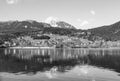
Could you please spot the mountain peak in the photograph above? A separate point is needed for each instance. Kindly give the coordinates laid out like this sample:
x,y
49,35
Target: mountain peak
x,y
55,22
52,21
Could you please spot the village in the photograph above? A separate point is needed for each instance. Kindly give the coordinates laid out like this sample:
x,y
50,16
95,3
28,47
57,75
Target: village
x,y
57,41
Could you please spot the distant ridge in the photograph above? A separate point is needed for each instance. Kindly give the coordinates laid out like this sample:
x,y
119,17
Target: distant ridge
x,y
109,32
30,24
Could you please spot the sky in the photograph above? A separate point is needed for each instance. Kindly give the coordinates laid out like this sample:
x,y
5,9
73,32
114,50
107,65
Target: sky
x,y
83,14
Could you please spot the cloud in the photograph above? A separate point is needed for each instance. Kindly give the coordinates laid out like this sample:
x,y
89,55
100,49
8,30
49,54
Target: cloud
x,y
12,1
93,12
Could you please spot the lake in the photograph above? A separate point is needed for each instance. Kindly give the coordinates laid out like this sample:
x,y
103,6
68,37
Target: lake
x,y
60,64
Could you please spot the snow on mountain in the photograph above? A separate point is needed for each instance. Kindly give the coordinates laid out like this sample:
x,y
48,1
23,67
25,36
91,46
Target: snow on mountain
x,y
55,22
52,21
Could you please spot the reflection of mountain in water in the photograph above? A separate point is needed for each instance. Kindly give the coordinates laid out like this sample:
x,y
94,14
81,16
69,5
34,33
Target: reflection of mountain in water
x,y
107,59
61,60
14,60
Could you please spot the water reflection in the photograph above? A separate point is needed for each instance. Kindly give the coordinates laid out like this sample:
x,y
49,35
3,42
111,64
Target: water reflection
x,y
53,61
106,59
0,78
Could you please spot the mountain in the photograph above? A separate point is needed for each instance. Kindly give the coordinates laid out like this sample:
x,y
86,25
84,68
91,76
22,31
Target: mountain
x,y
13,29
62,24
22,25
31,25
55,22
109,32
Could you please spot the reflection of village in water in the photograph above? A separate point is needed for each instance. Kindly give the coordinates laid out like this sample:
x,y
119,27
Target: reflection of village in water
x,y
55,54
54,62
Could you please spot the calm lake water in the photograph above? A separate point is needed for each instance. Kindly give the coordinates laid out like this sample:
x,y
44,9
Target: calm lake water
x,y
59,65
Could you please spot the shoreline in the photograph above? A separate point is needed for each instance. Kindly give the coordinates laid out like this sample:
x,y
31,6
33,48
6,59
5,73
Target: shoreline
x,y
65,48
31,47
